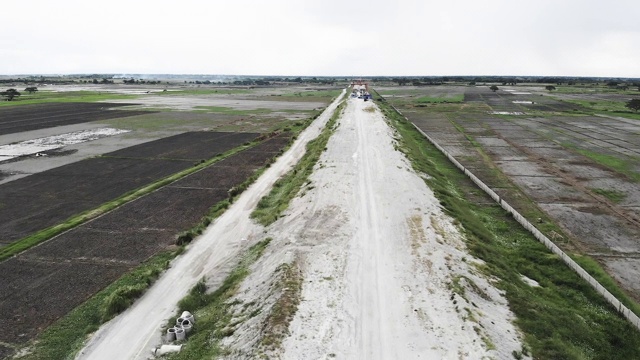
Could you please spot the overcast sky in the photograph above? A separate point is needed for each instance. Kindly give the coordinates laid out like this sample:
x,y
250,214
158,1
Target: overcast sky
x,y
322,37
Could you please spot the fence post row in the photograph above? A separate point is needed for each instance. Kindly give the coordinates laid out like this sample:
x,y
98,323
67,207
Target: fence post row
x,y
632,317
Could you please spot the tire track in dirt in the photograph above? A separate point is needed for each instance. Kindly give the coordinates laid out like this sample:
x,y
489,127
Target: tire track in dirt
x,y
379,286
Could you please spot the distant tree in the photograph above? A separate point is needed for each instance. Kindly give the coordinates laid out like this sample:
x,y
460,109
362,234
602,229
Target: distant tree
x,y
10,94
550,87
472,82
633,104
31,89
493,88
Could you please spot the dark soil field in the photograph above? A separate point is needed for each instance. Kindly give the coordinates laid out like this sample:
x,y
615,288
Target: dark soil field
x,y
191,146
44,199
17,119
48,198
47,281
581,170
34,293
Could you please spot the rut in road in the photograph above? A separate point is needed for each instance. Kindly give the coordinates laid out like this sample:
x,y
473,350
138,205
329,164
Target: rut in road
x,y
379,260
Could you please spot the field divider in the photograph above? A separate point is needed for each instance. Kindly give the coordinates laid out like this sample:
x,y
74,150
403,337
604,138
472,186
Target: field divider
x,y
619,306
30,241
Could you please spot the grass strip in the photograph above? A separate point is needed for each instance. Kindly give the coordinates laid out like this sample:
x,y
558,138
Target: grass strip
x,y
457,98
63,339
271,206
212,310
42,235
613,195
47,96
563,318
285,308
617,164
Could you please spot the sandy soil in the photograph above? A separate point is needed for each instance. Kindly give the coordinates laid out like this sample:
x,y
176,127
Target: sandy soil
x,y
29,147
132,334
379,259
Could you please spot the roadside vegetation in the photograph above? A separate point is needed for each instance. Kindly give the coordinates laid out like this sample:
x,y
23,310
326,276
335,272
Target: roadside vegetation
x,y
563,318
286,188
285,308
65,337
212,310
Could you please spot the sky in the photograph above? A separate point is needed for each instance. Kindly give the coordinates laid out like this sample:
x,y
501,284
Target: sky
x,y
322,37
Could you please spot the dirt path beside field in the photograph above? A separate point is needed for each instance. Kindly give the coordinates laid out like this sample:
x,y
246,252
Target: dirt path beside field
x,y
132,334
386,274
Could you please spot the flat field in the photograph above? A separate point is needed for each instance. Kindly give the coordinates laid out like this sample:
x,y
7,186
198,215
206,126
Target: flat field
x,y
17,119
570,169
47,281
48,198
168,132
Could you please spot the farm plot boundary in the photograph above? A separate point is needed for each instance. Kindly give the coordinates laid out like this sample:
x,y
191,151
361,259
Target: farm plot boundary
x,y
150,227
54,188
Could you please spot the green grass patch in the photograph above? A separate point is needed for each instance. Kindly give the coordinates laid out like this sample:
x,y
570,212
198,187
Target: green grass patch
x,y
564,318
595,269
615,163
233,111
285,308
449,98
613,195
609,107
313,93
45,96
212,310
66,336
286,188
203,91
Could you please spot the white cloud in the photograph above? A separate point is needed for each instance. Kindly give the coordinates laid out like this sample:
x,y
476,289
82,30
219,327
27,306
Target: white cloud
x,y
286,37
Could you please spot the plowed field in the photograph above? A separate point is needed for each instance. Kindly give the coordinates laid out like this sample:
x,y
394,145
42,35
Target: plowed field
x,y
17,119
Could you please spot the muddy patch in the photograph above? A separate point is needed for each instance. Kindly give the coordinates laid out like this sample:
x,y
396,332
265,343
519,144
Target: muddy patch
x,y
45,146
597,230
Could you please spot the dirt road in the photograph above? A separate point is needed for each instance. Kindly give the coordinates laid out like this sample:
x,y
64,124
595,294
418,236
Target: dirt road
x,y
386,273
132,334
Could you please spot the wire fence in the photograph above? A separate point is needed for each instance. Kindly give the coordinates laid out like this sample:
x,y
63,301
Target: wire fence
x,y
626,312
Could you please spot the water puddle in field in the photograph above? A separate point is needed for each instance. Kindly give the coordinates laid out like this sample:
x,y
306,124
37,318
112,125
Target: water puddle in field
x,y
522,102
40,145
506,113
521,93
